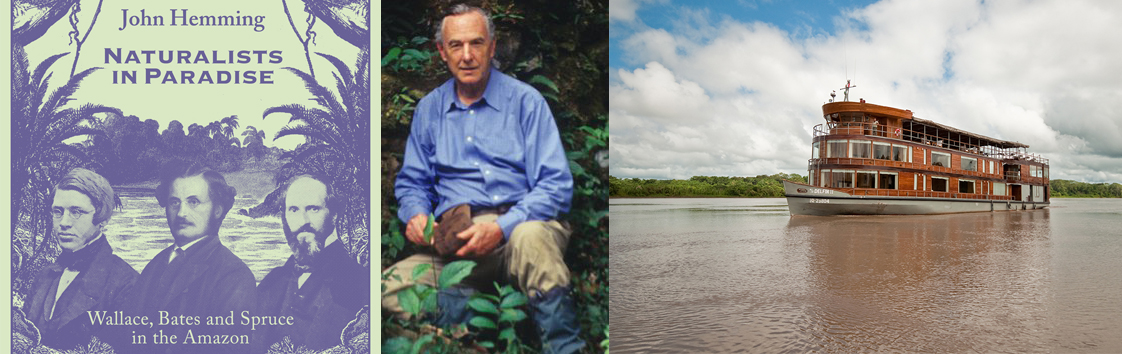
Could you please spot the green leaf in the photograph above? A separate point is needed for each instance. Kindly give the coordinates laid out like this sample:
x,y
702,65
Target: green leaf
x,y
507,334
391,55
482,305
420,343
415,54
503,291
539,79
513,300
420,270
492,298
409,301
397,345
512,316
591,141
428,229
594,220
487,344
482,322
454,272
575,168
552,96
428,302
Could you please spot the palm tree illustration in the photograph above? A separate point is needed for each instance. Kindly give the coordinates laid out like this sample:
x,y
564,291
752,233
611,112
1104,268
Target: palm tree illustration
x,y
254,141
337,144
228,125
40,126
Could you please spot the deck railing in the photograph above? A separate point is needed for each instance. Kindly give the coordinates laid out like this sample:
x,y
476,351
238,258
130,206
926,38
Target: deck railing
x,y
908,135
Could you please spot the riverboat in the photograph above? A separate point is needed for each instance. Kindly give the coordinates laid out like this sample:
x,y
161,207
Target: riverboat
x,y
869,159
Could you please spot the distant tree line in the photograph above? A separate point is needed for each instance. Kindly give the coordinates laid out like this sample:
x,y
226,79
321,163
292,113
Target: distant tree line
x,y
1062,188
131,150
762,186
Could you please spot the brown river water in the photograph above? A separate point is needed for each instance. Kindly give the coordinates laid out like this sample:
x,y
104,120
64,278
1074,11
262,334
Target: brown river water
x,y
741,275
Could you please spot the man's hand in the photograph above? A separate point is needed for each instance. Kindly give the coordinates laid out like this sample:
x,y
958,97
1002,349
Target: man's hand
x,y
482,239
415,230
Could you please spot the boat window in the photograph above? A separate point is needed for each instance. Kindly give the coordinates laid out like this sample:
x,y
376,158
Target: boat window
x,y
991,167
887,180
823,179
841,178
965,186
940,159
1046,172
998,188
836,148
859,149
814,151
969,163
899,153
938,184
882,151
866,179
1012,171
853,117
1032,171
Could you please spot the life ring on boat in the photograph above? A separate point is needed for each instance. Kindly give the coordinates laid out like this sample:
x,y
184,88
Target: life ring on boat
x,y
897,132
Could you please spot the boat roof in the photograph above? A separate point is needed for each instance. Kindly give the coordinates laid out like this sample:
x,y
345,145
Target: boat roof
x,y
907,115
1004,144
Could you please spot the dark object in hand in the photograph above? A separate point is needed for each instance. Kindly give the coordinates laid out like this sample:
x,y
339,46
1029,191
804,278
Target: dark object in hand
x,y
452,222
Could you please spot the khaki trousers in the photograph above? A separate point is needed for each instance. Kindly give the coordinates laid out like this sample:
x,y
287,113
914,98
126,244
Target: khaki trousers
x,y
533,259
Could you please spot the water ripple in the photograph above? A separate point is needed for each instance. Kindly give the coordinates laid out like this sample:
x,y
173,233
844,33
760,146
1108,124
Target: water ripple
x,y
738,275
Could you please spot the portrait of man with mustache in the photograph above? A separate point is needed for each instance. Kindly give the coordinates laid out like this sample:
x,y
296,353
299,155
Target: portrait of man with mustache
x,y
197,276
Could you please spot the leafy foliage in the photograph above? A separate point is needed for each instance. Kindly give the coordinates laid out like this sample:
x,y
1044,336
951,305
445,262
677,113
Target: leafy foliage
x,y
561,48
420,299
762,186
505,309
337,140
40,127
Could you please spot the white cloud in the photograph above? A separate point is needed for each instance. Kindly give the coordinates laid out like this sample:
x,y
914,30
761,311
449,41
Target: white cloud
x,y
623,10
717,96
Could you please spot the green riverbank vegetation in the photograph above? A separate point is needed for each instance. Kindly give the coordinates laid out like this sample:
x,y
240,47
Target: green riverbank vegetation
x,y
1062,188
762,186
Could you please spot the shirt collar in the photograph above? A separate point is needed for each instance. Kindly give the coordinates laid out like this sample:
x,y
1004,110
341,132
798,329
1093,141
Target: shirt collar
x,y
192,243
492,95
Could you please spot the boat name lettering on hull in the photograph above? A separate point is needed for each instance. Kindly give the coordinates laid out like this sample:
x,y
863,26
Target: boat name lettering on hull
x,y
819,201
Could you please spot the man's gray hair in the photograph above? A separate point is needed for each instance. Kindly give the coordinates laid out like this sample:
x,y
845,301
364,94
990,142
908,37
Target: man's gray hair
x,y
460,9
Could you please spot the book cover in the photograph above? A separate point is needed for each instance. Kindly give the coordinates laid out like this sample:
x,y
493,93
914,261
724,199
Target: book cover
x,y
190,176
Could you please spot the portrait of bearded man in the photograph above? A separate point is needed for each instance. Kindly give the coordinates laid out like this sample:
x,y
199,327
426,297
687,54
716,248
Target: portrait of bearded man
x,y
319,287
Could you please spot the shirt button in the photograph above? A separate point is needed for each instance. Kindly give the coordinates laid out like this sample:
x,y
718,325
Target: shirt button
x,y
471,111
495,198
486,172
477,163
469,139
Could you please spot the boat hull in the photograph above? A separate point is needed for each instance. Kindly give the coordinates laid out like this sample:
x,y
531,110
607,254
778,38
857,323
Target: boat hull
x,y
803,199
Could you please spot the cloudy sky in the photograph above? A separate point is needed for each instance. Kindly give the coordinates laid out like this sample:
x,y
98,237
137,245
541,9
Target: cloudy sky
x,y
734,88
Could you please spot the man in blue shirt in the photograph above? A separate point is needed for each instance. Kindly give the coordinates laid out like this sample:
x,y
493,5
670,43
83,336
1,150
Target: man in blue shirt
x,y
489,141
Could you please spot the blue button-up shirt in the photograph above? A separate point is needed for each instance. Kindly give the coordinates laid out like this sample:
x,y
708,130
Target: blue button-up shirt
x,y
504,149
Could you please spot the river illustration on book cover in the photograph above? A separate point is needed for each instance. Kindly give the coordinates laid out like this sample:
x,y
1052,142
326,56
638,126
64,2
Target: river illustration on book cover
x,y
190,176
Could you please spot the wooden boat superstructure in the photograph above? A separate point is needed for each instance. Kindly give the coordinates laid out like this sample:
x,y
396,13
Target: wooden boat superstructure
x,y
872,159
